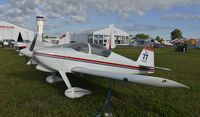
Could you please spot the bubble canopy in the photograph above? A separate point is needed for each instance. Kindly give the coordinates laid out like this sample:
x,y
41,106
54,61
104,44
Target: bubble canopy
x,y
85,48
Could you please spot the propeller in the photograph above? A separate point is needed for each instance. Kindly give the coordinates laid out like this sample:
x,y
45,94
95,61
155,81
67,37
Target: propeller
x,y
33,43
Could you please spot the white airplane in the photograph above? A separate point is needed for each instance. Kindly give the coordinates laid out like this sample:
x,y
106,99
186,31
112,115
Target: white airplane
x,y
21,44
85,58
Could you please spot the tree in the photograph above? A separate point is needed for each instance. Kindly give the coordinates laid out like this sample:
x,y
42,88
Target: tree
x,y
176,34
158,38
142,36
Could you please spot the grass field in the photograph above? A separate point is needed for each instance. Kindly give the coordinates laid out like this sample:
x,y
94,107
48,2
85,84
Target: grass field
x,y
25,93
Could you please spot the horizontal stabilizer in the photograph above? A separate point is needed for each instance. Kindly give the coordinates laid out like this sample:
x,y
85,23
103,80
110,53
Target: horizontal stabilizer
x,y
162,68
139,79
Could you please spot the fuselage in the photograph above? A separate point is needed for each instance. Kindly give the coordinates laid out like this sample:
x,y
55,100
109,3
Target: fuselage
x,y
67,57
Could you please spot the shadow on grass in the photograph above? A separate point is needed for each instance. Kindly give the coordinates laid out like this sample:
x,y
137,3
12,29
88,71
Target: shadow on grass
x,y
84,81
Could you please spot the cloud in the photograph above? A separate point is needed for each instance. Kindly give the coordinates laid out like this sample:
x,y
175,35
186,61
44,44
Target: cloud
x,y
18,12
180,16
50,26
195,27
77,11
76,19
140,27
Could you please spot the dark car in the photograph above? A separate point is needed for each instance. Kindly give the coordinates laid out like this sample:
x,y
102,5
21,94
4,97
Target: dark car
x,y
11,43
1,44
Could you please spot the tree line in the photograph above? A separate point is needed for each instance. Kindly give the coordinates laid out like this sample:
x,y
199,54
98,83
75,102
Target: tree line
x,y
176,33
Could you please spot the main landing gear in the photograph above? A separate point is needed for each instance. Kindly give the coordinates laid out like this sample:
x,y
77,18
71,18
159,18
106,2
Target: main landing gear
x,y
71,92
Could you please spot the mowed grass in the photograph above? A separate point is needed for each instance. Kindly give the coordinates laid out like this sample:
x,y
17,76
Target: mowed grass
x,y
25,93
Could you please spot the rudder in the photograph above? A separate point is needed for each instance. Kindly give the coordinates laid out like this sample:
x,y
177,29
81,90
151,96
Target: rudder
x,y
146,57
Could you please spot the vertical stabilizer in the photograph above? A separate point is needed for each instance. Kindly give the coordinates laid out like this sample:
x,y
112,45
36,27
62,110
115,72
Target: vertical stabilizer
x,y
111,40
146,57
20,39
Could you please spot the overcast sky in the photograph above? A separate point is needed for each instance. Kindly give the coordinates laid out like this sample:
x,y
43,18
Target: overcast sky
x,y
153,17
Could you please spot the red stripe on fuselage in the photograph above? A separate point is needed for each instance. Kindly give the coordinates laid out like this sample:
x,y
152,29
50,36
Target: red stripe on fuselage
x,y
149,48
94,61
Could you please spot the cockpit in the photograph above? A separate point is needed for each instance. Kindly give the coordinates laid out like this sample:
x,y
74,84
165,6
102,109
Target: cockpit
x,y
88,48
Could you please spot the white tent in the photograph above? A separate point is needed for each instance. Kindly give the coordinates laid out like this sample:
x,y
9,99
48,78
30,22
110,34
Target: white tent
x,y
11,31
101,36
106,31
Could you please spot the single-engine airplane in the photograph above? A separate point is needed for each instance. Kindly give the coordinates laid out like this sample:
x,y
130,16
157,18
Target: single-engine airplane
x,y
91,59
85,58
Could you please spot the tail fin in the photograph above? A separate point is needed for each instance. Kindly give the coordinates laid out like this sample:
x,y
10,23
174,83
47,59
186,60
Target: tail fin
x,y
111,41
20,39
146,57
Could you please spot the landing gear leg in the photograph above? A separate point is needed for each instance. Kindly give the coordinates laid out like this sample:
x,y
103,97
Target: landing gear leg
x,y
73,92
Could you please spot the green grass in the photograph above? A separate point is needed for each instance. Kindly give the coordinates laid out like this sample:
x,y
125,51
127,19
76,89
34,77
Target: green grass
x,y
25,93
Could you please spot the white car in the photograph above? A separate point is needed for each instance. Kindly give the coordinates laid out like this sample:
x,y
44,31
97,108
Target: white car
x,y
5,42
8,42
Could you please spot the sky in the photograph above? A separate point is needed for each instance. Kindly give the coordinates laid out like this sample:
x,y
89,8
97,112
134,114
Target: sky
x,y
152,17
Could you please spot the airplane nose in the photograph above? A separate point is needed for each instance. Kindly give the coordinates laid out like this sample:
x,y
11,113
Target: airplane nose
x,y
26,52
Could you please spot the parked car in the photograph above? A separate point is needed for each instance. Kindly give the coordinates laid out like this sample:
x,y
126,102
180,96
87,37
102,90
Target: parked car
x,y
8,42
1,44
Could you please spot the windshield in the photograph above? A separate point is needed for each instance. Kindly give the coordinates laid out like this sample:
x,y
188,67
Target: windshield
x,y
81,47
100,50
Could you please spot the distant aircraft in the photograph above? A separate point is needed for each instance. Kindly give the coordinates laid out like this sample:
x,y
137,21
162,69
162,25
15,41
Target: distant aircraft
x,y
34,45
85,58
163,42
20,44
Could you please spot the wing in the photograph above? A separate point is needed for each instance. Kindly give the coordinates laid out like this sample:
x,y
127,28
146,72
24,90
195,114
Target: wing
x,y
139,79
